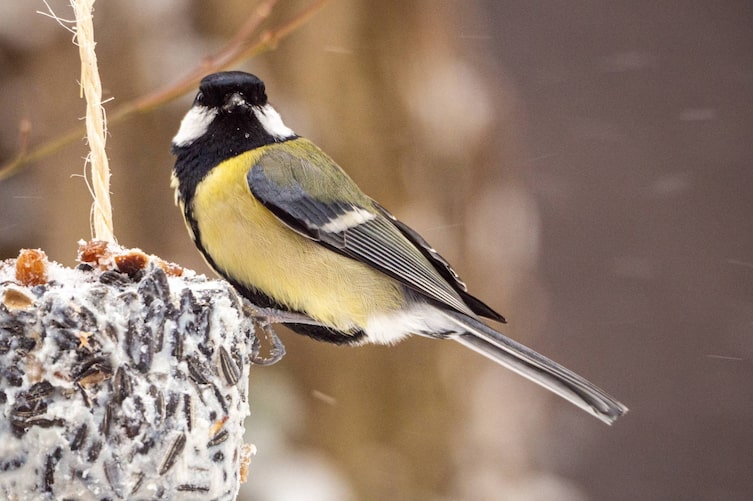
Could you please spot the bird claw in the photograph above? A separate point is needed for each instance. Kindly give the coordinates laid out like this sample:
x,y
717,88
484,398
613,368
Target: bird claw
x,y
276,350
264,318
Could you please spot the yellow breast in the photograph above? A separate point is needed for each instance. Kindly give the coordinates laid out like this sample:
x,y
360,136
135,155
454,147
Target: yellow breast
x,y
248,243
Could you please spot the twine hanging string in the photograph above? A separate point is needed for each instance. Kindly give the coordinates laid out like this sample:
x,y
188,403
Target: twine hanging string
x,y
96,122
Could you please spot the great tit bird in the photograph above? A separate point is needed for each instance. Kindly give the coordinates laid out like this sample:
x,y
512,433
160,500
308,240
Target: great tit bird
x,y
290,230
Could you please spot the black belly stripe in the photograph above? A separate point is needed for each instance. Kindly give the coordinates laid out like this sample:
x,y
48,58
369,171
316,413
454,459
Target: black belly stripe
x,y
320,333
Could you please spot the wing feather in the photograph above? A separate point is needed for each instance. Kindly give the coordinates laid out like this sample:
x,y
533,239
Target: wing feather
x,y
282,183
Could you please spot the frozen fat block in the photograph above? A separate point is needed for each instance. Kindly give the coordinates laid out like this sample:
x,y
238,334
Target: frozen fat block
x,y
124,378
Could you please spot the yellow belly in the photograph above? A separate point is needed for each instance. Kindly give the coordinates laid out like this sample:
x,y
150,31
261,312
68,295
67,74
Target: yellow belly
x,y
248,243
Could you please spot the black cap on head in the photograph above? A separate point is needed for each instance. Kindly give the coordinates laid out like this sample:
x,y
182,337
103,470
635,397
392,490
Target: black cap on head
x,y
230,115
215,87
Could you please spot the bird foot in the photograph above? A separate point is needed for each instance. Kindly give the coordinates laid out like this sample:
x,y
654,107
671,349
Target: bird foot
x,y
265,318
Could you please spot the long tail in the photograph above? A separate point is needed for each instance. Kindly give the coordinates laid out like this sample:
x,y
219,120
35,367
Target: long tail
x,y
536,367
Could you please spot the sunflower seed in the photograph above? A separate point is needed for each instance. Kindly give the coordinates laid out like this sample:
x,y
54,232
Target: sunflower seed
x,y
79,437
172,453
229,368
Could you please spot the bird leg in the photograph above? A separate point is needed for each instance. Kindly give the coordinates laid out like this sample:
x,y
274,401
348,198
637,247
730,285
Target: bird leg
x,y
264,319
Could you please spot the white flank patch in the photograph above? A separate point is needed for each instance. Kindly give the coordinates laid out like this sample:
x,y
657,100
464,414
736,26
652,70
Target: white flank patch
x,y
272,122
389,328
175,185
194,125
352,218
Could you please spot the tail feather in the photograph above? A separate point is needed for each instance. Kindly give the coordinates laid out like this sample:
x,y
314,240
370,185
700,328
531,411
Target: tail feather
x,y
538,368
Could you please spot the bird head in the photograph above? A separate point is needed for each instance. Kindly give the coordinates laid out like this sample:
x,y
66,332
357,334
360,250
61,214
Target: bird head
x,y
231,109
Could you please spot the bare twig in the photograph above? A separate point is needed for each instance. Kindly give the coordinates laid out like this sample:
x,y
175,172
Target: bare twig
x,y
242,46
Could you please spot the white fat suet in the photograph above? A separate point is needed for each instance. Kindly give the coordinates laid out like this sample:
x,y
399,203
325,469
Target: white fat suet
x,y
352,218
194,125
272,122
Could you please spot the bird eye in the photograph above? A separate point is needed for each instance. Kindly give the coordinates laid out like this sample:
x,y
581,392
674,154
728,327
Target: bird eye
x,y
199,98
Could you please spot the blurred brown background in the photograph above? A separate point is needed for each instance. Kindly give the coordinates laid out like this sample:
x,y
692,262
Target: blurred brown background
x,y
587,167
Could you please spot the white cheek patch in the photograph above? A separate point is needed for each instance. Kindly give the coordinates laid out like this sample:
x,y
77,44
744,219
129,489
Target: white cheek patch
x,y
352,218
272,122
194,125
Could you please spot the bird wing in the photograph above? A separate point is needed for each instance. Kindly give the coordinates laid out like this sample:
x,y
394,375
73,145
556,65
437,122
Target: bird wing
x,y
314,197
443,267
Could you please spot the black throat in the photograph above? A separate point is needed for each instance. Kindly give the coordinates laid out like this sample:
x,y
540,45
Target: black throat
x,y
229,135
